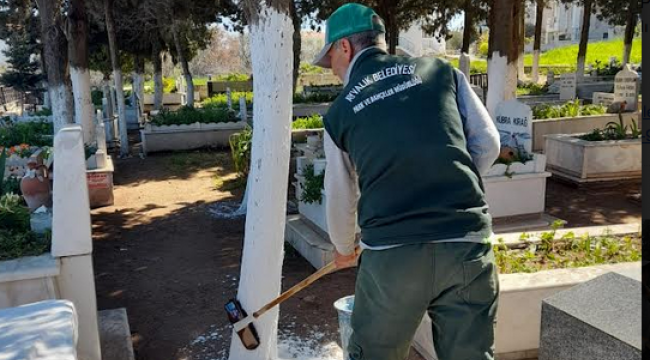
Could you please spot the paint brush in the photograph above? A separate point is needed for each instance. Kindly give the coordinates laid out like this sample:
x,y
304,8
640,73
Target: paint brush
x,y
243,323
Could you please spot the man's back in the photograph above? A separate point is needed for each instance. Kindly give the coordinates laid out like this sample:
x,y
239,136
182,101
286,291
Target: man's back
x,y
398,119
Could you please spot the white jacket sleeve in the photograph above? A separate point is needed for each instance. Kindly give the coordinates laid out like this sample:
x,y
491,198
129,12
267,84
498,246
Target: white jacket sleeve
x,y
342,192
483,142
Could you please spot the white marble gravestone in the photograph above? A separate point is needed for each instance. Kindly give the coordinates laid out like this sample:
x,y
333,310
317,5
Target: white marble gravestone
x,y
568,86
626,88
601,98
514,122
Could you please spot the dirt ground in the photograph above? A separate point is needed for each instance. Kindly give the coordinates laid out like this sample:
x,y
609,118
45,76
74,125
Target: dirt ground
x,y
162,255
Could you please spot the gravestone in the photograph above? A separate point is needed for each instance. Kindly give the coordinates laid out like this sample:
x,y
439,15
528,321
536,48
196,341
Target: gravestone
x,y
514,122
598,319
568,86
626,88
550,77
601,98
229,98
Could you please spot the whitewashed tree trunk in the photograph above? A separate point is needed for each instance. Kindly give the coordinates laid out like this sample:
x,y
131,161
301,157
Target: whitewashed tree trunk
x,y
261,269
117,77
184,64
535,70
56,61
502,64
464,64
627,52
77,34
157,80
60,97
83,105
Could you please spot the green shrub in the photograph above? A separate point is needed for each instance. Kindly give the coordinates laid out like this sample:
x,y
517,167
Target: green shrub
x,y
97,96
169,86
43,112
220,101
189,115
532,89
240,147
34,133
313,122
15,244
307,68
570,109
314,98
232,77
313,186
14,215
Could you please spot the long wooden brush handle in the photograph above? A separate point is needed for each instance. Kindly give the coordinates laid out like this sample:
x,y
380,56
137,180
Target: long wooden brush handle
x,y
299,286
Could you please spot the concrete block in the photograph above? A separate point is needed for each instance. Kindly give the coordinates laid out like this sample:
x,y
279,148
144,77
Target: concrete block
x,y
599,319
115,335
583,161
309,241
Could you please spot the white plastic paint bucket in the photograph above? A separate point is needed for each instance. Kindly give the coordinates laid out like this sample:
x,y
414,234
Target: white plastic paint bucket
x,y
344,307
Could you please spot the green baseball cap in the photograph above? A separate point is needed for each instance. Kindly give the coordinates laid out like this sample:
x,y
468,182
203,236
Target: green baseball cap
x,y
349,19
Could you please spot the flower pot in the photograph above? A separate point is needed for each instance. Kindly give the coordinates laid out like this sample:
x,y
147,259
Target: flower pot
x,y
36,190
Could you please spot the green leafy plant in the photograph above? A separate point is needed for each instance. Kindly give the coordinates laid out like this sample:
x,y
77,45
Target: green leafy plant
x,y
43,112
314,121
14,215
34,133
15,244
232,77
569,251
532,89
314,98
240,147
312,189
220,101
190,115
569,109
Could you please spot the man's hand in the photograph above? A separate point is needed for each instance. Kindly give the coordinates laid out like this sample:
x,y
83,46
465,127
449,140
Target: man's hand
x,y
346,261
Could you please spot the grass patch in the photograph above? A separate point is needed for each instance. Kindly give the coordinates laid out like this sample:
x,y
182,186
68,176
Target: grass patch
x,y
596,51
475,66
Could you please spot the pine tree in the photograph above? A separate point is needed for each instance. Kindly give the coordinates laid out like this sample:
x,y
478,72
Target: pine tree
x,y
23,73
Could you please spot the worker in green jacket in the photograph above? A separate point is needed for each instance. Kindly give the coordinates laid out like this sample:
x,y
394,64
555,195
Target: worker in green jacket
x,y
406,143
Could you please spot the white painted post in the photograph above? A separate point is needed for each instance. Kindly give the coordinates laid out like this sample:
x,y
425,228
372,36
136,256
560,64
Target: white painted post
x,y
71,236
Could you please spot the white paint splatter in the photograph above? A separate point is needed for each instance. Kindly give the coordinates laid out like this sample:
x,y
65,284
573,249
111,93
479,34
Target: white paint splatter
x,y
225,210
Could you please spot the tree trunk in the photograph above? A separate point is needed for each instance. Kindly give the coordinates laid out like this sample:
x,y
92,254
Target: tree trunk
x,y
56,61
630,26
537,46
117,77
297,43
156,58
77,32
464,62
138,85
520,10
184,65
271,32
491,27
584,39
504,55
